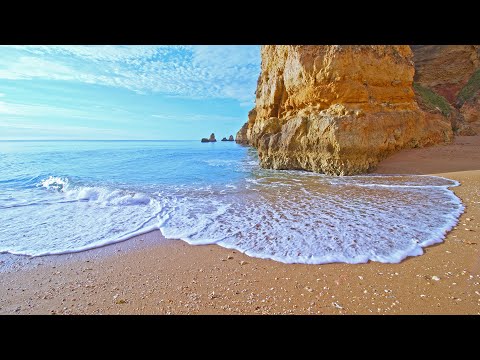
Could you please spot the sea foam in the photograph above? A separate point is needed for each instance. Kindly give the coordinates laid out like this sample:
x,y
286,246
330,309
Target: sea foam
x,y
291,217
316,219
72,218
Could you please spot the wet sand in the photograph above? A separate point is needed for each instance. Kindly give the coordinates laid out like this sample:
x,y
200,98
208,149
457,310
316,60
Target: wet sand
x,y
151,275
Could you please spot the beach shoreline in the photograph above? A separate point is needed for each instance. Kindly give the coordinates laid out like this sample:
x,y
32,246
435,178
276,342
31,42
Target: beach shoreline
x,y
148,274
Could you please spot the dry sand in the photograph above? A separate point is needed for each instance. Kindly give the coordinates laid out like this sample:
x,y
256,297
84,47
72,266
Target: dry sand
x,y
151,275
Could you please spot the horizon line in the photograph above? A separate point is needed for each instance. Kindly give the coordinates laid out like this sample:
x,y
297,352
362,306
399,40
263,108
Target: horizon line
x,y
101,140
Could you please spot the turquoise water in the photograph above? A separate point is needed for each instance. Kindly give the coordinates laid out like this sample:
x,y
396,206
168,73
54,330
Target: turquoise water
x,y
66,196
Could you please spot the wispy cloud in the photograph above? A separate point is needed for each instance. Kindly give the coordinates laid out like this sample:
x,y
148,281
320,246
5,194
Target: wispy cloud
x,y
196,117
196,72
2,94
110,53
27,67
53,129
39,110
20,111
22,128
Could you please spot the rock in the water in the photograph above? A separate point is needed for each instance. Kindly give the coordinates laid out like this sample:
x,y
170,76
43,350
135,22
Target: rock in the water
x,y
224,139
337,109
231,138
211,139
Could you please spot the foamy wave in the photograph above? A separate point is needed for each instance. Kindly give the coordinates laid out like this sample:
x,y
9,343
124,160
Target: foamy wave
x,y
221,163
94,193
315,223
74,218
406,181
55,183
108,197
291,217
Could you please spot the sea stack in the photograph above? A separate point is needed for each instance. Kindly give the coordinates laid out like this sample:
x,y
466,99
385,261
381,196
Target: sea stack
x,y
224,139
337,110
231,138
211,139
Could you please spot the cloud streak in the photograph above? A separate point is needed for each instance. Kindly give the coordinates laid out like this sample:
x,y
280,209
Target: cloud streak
x,y
197,117
195,72
20,111
41,110
52,129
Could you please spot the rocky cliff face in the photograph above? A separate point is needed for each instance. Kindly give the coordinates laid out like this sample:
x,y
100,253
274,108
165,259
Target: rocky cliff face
x,y
241,136
337,109
452,72
470,111
445,68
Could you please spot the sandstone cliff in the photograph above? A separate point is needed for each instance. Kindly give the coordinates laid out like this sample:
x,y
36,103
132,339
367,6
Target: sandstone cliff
x,y
445,68
452,73
337,109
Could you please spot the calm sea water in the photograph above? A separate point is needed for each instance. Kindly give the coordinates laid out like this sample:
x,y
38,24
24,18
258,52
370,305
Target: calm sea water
x,y
66,196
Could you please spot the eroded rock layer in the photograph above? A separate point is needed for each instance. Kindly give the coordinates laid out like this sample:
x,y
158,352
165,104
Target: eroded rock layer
x,y
445,68
453,73
337,109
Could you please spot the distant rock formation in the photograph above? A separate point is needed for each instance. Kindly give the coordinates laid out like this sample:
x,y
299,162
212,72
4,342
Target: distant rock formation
x,y
337,109
230,138
211,139
447,83
224,139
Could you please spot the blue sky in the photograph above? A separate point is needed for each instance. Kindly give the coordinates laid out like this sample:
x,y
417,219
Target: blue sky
x,y
126,92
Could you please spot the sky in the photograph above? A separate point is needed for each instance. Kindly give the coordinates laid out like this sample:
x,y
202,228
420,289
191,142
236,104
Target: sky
x,y
118,92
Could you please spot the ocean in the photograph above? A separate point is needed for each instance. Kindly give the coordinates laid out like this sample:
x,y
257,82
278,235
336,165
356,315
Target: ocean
x,y
68,196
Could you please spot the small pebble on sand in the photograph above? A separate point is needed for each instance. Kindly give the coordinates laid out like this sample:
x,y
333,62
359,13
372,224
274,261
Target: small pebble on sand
x,y
337,305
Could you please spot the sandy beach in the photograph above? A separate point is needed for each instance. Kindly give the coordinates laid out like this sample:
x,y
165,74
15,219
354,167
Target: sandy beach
x,y
151,275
